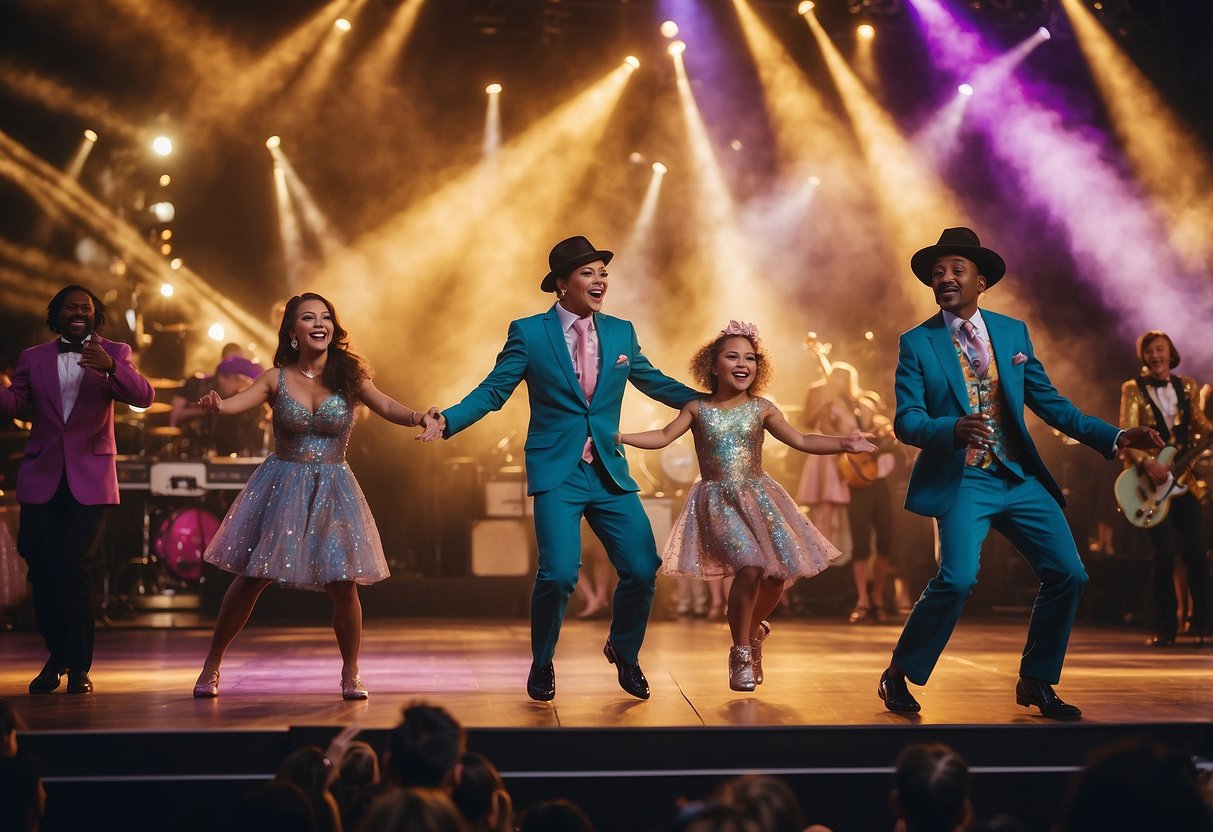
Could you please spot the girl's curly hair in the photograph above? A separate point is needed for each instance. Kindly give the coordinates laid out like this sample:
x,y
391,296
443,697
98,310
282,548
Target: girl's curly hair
x,y
705,360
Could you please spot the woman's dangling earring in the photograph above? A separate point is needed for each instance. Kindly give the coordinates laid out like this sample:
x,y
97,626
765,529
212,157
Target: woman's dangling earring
x,y
294,344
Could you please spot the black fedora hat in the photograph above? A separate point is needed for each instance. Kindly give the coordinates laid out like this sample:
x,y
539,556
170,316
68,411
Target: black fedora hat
x,y
964,242
568,255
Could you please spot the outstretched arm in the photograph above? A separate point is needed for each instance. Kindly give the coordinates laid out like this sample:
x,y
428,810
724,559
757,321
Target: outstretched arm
x,y
651,440
856,442
384,405
255,396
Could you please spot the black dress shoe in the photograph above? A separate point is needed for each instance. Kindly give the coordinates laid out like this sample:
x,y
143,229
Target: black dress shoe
x,y
541,683
1161,640
1030,691
896,695
48,680
78,682
631,678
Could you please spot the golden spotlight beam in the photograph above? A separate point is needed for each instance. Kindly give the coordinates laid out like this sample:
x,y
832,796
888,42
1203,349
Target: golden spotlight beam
x,y
313,222
737,293
57,98
381,58
480,236
806,133
288,232
226,93
915,204
145,264
1167,159
319,71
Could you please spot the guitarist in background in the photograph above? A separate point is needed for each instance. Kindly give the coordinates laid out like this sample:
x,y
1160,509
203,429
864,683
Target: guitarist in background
x,y
1170,403
871,507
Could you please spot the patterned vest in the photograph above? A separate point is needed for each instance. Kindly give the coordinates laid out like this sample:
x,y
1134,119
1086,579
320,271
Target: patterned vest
x,y
985,395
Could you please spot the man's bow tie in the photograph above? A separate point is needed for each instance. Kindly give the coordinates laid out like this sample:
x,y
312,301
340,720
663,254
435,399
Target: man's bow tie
x,y
70,346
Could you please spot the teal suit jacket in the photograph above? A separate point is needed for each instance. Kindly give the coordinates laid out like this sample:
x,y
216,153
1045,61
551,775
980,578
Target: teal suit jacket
x,y
561,418
931,398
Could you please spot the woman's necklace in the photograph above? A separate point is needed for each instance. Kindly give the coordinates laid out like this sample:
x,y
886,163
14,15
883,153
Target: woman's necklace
x,y
299,367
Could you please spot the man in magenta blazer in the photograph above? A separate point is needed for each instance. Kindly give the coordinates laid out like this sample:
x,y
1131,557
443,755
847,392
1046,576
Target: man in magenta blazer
x,y
68,480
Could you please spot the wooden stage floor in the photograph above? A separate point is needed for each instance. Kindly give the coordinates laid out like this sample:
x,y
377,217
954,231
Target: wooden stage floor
x,y
819,673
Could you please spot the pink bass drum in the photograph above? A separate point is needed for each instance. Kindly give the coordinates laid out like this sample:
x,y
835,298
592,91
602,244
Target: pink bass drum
x,y
182,540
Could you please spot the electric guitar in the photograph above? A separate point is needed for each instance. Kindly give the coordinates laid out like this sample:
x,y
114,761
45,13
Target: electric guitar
x,y
1145,504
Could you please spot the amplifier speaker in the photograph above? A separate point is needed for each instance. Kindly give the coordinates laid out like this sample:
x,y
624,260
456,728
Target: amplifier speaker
x,y
661,515
503,547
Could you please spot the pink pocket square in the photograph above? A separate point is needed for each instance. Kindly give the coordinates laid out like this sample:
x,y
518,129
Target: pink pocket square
x,y
1018,358
623,359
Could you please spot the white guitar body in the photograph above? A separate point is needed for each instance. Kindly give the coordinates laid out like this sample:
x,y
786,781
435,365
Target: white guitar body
x,y
1145,504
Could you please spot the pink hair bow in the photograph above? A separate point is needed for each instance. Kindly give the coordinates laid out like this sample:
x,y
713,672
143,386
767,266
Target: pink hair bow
x,y
744,328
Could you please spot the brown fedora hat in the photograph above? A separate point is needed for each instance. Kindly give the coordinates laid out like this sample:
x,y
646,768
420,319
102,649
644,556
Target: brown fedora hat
x,y
568,255
960,241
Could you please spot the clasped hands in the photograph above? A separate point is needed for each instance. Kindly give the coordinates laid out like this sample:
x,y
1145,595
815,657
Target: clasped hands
x,y
434,423
858,442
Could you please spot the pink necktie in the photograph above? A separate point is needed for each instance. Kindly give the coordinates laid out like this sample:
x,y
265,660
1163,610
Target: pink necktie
x,y
975,348
587,373
587,367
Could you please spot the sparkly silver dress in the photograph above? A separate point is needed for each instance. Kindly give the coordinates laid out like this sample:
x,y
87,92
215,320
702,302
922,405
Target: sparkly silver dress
x,y
302,519
736,515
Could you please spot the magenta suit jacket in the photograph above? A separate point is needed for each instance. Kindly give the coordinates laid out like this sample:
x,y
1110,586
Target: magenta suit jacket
x,y
84,445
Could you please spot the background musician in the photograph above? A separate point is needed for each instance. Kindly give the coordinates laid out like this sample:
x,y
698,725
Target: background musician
x,y
1170,403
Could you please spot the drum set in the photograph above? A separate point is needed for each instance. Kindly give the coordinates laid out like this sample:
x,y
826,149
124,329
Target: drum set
x,y
172,502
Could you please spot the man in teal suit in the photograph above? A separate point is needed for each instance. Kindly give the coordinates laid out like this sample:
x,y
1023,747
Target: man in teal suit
x,y
963,380
576,363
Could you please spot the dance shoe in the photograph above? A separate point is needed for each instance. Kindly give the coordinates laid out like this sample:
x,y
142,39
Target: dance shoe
x,y
895,694
631,677
353,690
1029,691
1161,640
48,678
207,686
764,630
741,669
78,682
541,683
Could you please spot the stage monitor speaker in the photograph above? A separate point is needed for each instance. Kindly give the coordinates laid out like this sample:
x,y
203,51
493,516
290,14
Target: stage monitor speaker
x,y
507,498
503,547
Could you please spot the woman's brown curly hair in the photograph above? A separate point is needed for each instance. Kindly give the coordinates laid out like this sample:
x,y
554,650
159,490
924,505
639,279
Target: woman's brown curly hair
x,y
344,371
704,360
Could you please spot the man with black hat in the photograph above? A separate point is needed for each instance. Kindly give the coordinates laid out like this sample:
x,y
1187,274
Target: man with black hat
x,y
963,380
576,362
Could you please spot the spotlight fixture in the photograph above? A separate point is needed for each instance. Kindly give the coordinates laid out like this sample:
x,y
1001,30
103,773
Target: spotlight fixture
x,y
216,332
866,31
493,89
1044,33
676,47
165,180
669,29
342,24
91,135
163,211
632,61
167,289
660,169
162,145
176,263
805,7
965,89
636,158
273,142
814,181
736,144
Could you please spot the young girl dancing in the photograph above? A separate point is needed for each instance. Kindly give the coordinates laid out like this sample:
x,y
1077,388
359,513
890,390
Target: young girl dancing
x,y
737,520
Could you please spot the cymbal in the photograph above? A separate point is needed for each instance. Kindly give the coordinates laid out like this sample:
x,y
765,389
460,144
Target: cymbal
x,y
165,383
152,409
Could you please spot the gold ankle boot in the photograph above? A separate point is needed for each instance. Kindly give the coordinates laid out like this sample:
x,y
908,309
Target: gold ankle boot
x,y
741,669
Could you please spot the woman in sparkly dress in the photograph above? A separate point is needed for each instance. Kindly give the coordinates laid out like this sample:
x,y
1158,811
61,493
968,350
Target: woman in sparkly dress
x,y
302,521
737,520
